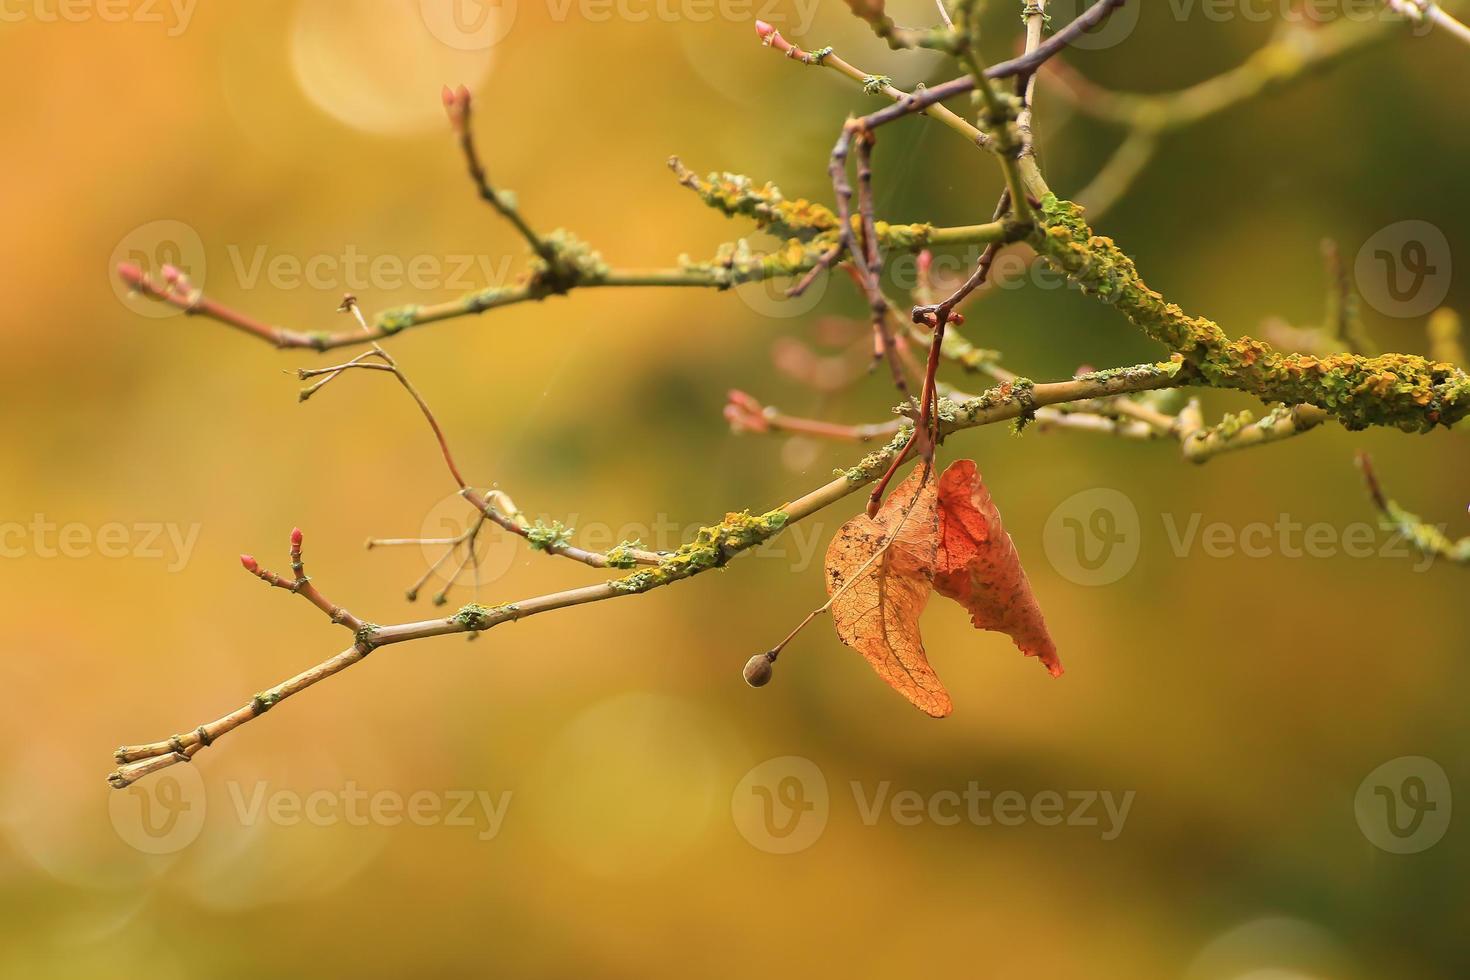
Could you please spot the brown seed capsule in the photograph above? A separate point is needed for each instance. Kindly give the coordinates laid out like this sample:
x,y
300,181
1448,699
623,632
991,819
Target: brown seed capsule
x,y
758,669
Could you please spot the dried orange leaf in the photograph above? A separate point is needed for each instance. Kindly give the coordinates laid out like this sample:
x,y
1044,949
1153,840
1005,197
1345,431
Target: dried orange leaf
x,y
977,566
877,603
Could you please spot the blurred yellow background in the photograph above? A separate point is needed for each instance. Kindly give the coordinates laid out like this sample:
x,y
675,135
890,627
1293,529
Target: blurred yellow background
x,y
601,757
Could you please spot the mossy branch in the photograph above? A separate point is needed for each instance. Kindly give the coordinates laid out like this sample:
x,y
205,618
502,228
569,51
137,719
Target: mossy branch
x,y
1402,391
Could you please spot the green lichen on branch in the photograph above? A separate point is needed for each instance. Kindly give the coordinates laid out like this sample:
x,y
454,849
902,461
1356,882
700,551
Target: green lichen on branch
x,y
545,537
475,617
871,465
738,195
1233,422
394,320
968,411
736,262
1427,538
802,222
712,547
1403,391
622,555
572,262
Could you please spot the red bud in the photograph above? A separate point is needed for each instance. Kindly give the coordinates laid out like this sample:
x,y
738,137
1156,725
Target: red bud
x,y
249,563
764,30
296,537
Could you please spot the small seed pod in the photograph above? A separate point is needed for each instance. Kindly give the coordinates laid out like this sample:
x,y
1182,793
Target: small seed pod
x,y
758,669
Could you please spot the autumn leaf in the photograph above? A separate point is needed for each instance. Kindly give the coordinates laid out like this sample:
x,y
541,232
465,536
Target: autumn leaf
x,y
876,604
977,565
930,535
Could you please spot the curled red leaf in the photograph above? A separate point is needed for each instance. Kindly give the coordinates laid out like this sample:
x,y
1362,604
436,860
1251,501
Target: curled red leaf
x,y
930,535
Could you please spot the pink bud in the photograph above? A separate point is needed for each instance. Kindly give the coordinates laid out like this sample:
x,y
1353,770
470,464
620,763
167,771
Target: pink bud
x,y
130,274
744,401
764,30
296,537
926,259
249,563
745,414
447,94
